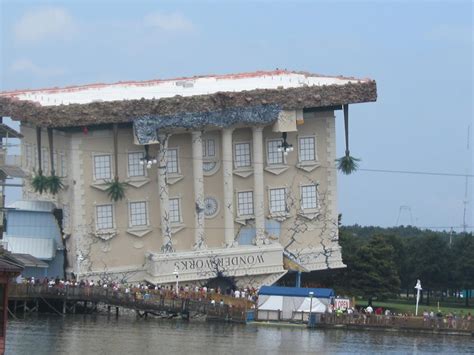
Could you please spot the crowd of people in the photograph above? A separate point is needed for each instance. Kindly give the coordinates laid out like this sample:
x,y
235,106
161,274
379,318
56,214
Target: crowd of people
x,y
234,296
380,316
143,290
449,320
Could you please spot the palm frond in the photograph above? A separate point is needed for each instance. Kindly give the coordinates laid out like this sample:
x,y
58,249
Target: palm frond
x,y
54,184
39,183
116,190
347,164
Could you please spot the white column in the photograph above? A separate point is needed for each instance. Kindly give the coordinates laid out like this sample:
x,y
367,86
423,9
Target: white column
x,y
258,192
227,160
167,244
198,190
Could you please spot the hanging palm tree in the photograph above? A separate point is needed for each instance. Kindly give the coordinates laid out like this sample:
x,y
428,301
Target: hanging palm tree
x,y
39,181
54,182
115,188
347,164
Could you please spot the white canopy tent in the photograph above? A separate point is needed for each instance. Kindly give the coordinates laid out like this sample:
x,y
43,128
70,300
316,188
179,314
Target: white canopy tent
x,y
272,303
280,303
316,306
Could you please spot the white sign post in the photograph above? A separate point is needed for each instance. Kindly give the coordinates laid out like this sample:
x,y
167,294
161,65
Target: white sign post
x,y
418,289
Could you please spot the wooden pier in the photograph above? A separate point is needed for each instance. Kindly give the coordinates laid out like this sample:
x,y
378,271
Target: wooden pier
x,y
32,298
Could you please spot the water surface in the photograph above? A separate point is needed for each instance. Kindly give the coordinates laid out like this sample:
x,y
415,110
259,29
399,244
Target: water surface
x,y
101,334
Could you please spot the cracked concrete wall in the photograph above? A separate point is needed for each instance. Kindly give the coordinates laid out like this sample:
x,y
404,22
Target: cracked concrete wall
x,y
312,241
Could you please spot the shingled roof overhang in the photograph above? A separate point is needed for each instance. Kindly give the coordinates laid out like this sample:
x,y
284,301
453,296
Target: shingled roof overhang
x,y
96,113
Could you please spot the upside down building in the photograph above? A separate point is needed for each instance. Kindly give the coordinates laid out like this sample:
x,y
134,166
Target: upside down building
x,y
196,178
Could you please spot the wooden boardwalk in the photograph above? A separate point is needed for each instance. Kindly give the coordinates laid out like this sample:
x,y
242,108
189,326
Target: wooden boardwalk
x,y
448,325
28,298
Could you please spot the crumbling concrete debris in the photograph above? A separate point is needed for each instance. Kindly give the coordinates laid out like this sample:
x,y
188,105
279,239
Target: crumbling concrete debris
x,y
146,127
95,113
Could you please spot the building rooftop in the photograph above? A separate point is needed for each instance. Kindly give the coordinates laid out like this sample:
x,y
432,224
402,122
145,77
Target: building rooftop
x,y
192,86
32,206
296,291
41,248
8,263
125,101
29,260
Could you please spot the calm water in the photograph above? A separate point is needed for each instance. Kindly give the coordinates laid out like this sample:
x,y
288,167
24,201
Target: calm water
x,y
127,335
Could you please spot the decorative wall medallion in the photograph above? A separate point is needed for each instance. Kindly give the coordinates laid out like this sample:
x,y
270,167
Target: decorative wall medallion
x,y
211,207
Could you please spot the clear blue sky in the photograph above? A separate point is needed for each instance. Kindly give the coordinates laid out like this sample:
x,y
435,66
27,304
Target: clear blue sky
x,y
420,54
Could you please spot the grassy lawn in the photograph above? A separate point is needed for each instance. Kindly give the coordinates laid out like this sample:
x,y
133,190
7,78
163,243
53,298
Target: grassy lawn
x,y
408,306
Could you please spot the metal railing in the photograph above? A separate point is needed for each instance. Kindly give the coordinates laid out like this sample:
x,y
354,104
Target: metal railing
x,y
447,322
210,304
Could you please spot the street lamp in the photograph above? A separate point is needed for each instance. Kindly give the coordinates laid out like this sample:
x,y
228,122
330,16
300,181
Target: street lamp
x,y
311,294
176,273
147,159
285,147
418,289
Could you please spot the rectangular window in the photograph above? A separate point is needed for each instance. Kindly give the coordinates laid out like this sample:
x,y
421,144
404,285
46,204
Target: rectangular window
x,y
55,160
29,159
135,164
211,148
172,166
62,168
45,160
307,149
242,155
102,167
208,148
277,200
175,210
245,203
138,214
309,197
273,155
104,217
35,157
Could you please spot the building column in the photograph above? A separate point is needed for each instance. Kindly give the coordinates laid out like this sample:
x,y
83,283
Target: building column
x,y
198,190
227,162
167,244
259,192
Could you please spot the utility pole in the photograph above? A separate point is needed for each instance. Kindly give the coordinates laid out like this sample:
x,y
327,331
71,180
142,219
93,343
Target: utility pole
x,y
405,208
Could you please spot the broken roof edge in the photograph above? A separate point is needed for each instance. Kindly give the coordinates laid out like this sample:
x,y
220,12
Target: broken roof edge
x,y
95,113
72,88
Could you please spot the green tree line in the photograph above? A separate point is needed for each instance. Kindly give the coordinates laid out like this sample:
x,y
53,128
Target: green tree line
x,y
385,262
